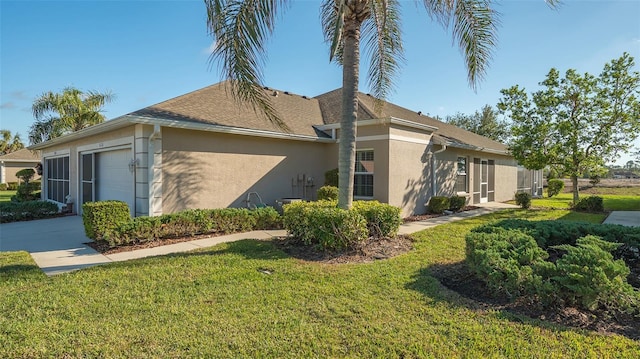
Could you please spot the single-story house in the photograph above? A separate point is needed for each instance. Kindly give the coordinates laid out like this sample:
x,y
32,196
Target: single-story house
x,y
13,162
205,150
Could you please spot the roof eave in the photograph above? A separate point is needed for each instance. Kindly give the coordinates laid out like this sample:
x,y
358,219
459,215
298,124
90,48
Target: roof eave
x,y
383,121
114,124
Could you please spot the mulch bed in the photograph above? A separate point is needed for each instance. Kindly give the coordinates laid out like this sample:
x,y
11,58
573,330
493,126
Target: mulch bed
x,y
104,248
422,217
457,277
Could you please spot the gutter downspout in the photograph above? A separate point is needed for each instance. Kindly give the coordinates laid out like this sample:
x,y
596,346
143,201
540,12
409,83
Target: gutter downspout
x,y
433,169
151,168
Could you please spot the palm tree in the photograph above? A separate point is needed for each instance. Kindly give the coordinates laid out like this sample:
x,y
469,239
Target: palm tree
x,y
9,143
241,27
71,110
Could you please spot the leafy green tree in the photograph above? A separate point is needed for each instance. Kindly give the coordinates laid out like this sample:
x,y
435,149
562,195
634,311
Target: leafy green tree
x,y
576,123
71,110
484,122
9,143
241,28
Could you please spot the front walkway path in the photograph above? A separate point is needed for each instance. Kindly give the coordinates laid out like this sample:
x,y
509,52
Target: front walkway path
x,y
625,218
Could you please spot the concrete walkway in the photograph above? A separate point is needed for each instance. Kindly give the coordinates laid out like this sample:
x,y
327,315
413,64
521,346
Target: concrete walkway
x,y
58,245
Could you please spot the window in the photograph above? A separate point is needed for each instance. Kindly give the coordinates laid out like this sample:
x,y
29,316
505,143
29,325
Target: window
x,y
461,180
363,178
57,170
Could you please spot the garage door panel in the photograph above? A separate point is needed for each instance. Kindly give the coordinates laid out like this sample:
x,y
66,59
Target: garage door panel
x,y
114,180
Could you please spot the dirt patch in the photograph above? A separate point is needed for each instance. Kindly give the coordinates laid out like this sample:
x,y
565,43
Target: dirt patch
x,y
369,251
422,217
458,278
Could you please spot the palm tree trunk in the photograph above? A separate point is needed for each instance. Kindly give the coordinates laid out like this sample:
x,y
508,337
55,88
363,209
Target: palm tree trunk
x,y
347,141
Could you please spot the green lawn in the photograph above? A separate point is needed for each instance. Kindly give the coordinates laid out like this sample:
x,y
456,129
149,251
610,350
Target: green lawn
x,y
219,303
612,202
5,196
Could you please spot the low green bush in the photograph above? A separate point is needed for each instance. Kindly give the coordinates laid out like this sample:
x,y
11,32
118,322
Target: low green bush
x,y
383,220
23,211
3,186
12,186
26,192
137,230
523,199
327,193
456,203
590,204
554,187
438,204
100,218
323,225
588,276
331,178
511,258
232,220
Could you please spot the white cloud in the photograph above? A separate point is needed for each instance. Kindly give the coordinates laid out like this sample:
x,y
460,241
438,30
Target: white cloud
x,y
209,49
8,105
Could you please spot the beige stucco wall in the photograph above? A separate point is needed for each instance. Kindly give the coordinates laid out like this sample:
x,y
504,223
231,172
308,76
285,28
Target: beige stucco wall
x,y
104,141
409,176
9,169
212,170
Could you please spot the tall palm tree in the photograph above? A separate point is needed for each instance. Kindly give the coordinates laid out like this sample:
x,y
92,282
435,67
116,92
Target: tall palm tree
x,y
71,110
241,27
9,143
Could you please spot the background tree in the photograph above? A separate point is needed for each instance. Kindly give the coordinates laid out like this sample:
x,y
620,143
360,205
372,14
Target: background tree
x,y
71,110
577,123
484,122
240,29
9,143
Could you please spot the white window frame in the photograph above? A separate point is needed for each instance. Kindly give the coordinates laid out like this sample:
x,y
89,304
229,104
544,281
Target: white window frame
x,y
356,173
465,174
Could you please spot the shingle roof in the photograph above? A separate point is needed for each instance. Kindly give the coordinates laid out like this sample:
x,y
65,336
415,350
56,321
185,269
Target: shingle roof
x,y
331,106
21,155
214,105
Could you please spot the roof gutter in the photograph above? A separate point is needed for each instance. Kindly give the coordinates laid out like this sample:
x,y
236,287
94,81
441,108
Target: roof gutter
x,y
383,121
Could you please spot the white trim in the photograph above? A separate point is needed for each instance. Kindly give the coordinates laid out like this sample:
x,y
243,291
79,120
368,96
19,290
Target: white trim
x,y
383,121
109,145
59,153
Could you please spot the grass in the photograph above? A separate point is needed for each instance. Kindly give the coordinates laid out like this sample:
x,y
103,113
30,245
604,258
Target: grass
x,y
219,303
5,196
612,202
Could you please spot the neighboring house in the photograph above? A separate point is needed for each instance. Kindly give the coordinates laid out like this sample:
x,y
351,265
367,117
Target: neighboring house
x,y
13,162
204,150
624,175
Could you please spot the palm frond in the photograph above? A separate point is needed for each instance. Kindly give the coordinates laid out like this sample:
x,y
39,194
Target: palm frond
x,y
382,39
240,29
332,19
474,29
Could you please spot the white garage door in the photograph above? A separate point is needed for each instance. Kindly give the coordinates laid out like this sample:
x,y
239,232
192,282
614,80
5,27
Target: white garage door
x,y
114,180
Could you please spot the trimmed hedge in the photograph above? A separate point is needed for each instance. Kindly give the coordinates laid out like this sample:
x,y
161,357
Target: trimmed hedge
x,y
523,199
192,222
511,257
590,204
554,187
24,211
331,178
456,203
383,220
323,225
328,193
100,218
438,204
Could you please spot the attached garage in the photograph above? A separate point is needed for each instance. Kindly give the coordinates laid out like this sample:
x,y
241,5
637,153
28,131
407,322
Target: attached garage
x,y
106,175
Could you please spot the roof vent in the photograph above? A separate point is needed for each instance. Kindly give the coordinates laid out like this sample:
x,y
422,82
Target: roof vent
x,y
266,88
286,92
304,96
275,93
419,113
369,94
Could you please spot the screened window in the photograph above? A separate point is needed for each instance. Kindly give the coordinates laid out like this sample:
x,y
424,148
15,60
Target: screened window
x,y
461,179
363,178
57,170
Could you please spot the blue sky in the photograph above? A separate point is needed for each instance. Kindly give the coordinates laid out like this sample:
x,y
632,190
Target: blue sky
x,y
146,52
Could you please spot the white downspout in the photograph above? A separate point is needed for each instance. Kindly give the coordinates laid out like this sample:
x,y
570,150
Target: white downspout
x,y
151,170
433,169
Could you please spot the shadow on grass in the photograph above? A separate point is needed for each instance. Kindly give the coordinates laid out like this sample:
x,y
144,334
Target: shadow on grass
x,y
455,285
19,272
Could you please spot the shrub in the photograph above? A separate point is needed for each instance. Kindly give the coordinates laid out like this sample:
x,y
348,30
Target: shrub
x,y
523,199
328,193
383,220
331,178
267,218
456,203
12,186
26,192
594,180
137,230
588,276
438,204
3,186
323,225
100,218
22,211
590,204
509,262
185,223
232,220
554,187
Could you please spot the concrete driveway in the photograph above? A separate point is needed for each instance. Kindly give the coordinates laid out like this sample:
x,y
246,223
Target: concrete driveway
x,y
55,244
